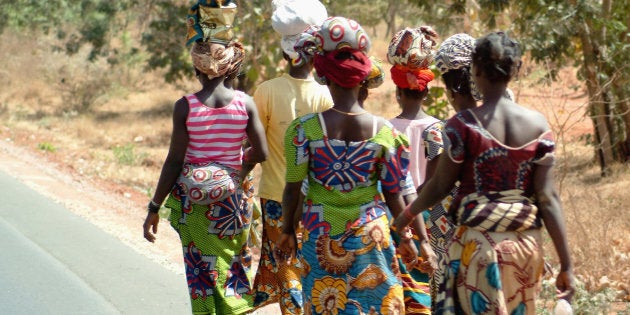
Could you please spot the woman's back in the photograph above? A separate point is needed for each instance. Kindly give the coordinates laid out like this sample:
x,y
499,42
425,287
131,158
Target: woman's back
x,y
511,124
351,127
499,159
216,133
344,174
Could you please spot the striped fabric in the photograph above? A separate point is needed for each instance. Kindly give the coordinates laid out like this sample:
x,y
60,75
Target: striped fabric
x,y
501,211
216,134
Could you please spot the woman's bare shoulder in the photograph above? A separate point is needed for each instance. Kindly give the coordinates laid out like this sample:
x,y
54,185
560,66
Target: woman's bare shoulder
x,y
534,119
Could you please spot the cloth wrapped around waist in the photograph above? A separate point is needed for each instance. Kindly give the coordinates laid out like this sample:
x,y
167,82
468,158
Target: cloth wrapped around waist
x,y
502,211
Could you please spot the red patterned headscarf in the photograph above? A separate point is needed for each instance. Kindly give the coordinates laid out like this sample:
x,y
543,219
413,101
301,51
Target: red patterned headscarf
x,y
411,53
346,72
341,46
414,79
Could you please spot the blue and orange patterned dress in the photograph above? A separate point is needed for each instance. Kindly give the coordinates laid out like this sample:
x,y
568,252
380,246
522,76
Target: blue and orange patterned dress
x,y
495,259
348,255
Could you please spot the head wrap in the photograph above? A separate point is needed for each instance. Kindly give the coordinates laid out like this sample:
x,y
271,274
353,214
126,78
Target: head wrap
x,y
291,18
411,53
456,53
416,79
214,51
340,46
376,76
211,20
216,60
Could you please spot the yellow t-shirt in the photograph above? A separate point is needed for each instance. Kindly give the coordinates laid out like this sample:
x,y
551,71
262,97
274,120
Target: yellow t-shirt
x,y
279,102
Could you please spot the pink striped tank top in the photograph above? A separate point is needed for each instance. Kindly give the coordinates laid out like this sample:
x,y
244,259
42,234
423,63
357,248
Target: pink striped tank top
x,y
216,134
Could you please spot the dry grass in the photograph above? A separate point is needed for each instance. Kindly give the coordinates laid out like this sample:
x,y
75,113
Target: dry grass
x,y
125,139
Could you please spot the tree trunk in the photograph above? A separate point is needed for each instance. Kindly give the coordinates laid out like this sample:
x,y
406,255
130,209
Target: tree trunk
x,y
390,17
598,107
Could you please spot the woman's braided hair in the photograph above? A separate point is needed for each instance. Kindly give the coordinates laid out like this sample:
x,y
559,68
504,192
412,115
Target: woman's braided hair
x,y
498,56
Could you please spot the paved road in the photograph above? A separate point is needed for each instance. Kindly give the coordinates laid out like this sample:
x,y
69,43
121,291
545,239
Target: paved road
x,y
54,262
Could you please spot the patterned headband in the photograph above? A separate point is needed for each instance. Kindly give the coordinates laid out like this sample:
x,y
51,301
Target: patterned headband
x,y
339,32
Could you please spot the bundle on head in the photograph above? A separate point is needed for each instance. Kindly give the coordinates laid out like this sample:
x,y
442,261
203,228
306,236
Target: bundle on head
x,y
291,18
214,51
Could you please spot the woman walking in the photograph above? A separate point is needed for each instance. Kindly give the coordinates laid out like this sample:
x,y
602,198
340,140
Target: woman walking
x,y
502,154
411,52
347,252
205,177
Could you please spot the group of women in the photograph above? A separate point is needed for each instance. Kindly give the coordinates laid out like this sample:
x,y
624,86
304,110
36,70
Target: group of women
x,y
481,181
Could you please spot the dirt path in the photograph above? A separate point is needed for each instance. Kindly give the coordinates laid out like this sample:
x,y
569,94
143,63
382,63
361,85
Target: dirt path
x,y
113,208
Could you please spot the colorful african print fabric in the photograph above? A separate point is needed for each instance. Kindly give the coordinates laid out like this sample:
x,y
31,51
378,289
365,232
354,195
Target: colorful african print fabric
x,y
217,258
416,284
348,255
276,283
455,53
495,259
412,48
411,53
416,289
437,219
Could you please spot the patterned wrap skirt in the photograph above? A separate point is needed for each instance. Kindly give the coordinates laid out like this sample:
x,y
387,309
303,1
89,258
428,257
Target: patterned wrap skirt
x,y
217,257
354,272
495,258
276,283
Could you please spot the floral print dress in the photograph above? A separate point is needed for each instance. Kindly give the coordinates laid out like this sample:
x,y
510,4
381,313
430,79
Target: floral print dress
x,y
348,255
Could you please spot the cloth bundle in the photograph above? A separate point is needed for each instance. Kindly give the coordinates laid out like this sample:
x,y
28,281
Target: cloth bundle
x,y
376,76
207,183
214,50
291,18
211,21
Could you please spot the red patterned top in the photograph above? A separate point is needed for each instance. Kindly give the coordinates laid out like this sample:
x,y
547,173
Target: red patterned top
x,y
490,166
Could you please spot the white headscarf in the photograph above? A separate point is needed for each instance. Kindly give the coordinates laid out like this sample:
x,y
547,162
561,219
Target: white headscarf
x,y
291,17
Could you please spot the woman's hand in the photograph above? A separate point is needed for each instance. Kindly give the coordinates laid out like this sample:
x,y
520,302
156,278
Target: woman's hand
x,y
401,222
285,248
565,284
429,259
408,253
151,224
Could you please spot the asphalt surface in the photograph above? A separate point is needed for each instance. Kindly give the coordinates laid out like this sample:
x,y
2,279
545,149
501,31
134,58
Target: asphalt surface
x,y
55,262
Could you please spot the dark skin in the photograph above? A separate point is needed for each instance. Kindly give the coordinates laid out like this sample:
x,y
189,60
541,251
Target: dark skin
x,y
350,128
460,102
302,71
215,93
514,126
